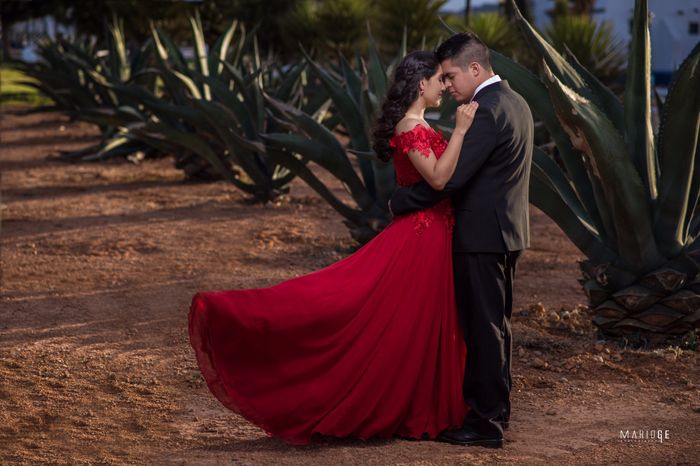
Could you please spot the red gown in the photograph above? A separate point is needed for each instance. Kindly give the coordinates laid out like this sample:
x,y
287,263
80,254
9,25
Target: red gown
x,y
367,347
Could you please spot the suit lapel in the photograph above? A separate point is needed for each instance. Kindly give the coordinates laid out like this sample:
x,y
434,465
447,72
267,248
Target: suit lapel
x,y
499,86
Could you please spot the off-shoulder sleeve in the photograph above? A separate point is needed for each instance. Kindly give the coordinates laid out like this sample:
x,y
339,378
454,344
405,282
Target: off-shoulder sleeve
x,y
418,139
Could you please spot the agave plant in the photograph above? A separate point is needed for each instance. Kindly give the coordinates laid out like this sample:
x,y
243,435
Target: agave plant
x,y
626,197
58,78
118,66
73,74
206,109
355,96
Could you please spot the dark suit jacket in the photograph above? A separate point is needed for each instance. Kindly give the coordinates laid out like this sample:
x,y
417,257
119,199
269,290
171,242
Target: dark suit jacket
x,y
489,187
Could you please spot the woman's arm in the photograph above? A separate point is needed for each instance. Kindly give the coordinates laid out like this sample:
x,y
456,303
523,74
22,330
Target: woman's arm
x,y
437,172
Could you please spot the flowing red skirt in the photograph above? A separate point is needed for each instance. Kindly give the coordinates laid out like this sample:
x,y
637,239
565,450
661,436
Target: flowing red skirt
x,y
367,347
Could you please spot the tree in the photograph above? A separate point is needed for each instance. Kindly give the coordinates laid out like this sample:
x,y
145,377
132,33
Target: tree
x,y
419,18
564,8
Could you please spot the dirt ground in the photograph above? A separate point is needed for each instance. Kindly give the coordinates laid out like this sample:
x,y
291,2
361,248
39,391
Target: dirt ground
x,y
100,261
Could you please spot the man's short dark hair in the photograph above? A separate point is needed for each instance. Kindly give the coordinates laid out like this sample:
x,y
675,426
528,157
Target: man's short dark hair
x,y
463,49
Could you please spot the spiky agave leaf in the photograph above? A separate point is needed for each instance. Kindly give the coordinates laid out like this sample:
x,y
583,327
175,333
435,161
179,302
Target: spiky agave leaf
x,y
600,94
221,49
646,281
679,133
351,115
78,77
311,141
317,144
639,134
595,136
116,43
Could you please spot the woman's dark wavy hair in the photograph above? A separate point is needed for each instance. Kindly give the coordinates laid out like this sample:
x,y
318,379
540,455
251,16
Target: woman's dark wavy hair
x,y
402,93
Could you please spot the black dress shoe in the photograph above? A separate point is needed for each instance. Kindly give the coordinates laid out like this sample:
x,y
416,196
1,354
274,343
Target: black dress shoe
x,y
505,423
469,438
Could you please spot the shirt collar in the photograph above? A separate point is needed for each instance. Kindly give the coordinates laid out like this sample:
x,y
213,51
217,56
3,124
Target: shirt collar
x,y
493,79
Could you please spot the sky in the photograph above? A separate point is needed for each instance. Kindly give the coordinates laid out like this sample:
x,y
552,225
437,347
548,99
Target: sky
x,y
456,5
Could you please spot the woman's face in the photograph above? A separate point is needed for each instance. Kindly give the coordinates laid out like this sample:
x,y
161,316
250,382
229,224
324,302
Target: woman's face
x,y
433,89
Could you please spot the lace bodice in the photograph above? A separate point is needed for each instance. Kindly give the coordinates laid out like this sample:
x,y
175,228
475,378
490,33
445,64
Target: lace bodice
x,y
421,139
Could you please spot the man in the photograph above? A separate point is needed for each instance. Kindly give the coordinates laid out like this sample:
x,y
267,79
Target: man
x,y
489,191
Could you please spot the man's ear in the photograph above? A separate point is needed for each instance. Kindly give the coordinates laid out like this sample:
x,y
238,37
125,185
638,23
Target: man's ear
x,y
475,68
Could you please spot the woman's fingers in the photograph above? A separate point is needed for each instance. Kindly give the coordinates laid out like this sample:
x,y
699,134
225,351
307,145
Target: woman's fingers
x,y
468,110
465,115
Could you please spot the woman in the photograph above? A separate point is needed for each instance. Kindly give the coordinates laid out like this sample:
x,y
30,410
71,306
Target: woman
x,y
369,346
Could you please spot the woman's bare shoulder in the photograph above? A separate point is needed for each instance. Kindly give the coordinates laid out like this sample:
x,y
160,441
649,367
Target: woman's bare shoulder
x,y
408,124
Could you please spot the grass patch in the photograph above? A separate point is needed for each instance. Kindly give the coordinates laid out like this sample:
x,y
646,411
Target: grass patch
x,y
14,93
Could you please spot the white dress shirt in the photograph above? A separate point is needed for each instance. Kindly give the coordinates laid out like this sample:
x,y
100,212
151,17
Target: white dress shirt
x,y
493,79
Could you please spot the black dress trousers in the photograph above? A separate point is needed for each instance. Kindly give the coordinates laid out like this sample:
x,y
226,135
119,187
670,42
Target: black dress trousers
x,y
484,291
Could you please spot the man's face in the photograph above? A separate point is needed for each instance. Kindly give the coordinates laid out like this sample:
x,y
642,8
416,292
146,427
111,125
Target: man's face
x,y
461,83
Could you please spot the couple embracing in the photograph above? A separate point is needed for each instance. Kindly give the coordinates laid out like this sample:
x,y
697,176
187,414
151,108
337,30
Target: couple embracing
x,y
410,335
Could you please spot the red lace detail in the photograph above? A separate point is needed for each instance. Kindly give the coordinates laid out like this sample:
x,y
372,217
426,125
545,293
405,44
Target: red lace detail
x,y
441,211
422,219
421,139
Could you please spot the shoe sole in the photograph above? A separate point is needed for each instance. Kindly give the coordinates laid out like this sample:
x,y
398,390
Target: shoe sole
x,y
495,443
